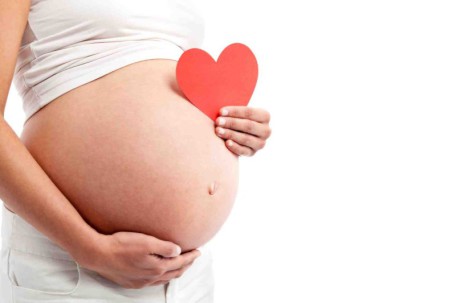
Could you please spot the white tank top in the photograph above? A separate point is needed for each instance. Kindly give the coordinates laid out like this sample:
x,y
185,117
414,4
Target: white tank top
x,y
67,43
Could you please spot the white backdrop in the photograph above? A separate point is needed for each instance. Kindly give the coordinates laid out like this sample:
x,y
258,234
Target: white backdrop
x,y
353,197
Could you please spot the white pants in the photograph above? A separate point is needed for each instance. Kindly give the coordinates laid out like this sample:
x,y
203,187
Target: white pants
x,y
35,269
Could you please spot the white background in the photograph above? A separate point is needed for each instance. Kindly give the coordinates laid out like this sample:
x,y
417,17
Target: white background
x,y
353,197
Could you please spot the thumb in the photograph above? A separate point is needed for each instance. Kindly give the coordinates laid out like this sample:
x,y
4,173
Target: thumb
x,y
165,248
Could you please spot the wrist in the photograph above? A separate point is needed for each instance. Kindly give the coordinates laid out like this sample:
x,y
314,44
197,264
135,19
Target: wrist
x,y
87,249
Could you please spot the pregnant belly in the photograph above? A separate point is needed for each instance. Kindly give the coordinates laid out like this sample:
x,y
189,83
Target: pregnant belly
x,y
132,154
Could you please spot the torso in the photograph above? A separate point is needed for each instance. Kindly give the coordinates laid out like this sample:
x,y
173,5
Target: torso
x,y
132,154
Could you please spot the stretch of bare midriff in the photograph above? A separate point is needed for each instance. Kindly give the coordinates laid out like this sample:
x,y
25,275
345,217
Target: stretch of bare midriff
x,y
131,153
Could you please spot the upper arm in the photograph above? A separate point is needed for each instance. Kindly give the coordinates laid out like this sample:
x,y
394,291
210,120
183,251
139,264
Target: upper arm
x,y
13,20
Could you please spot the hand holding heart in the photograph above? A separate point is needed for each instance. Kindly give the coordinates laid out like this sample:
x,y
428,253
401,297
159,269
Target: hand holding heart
x,y
244,128
225,88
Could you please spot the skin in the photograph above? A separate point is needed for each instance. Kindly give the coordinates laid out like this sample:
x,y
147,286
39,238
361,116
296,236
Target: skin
x,y
131,259
244,129
249,129
136,156
134,260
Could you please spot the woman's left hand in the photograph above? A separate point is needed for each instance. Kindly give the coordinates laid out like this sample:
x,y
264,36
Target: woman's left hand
x,y
245,129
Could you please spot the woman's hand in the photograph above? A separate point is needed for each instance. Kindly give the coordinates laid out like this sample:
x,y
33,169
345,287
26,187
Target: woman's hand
x,y
244,128
136,260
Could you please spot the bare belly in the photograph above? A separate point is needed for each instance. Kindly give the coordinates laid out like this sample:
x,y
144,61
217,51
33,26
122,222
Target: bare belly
x,y
132,154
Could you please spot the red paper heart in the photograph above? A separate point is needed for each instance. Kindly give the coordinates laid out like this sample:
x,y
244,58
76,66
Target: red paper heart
x,y
211,85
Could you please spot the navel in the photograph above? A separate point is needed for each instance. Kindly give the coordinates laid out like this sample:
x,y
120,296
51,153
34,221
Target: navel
x,y
212,188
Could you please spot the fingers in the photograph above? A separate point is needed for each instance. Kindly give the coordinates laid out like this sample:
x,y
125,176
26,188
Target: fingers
x,y
180,261
244,139
244,125
159,266
246,112
173,274
245,129
163,248
238,149
162,274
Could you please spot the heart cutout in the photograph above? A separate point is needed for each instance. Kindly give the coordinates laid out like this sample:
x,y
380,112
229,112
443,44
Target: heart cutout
x,y
211,85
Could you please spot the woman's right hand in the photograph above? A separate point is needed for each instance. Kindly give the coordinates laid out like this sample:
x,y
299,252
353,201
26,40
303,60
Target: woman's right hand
x,y
136,260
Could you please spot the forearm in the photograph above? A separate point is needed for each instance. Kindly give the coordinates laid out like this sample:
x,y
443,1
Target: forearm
x,y
27,190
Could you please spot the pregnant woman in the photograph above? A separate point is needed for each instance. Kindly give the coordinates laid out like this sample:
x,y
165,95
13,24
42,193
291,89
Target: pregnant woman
x,y
117,181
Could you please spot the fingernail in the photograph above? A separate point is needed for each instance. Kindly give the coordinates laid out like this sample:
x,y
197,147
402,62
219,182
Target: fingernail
x,y
221,121
221,131
224,112
230,143
178,251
